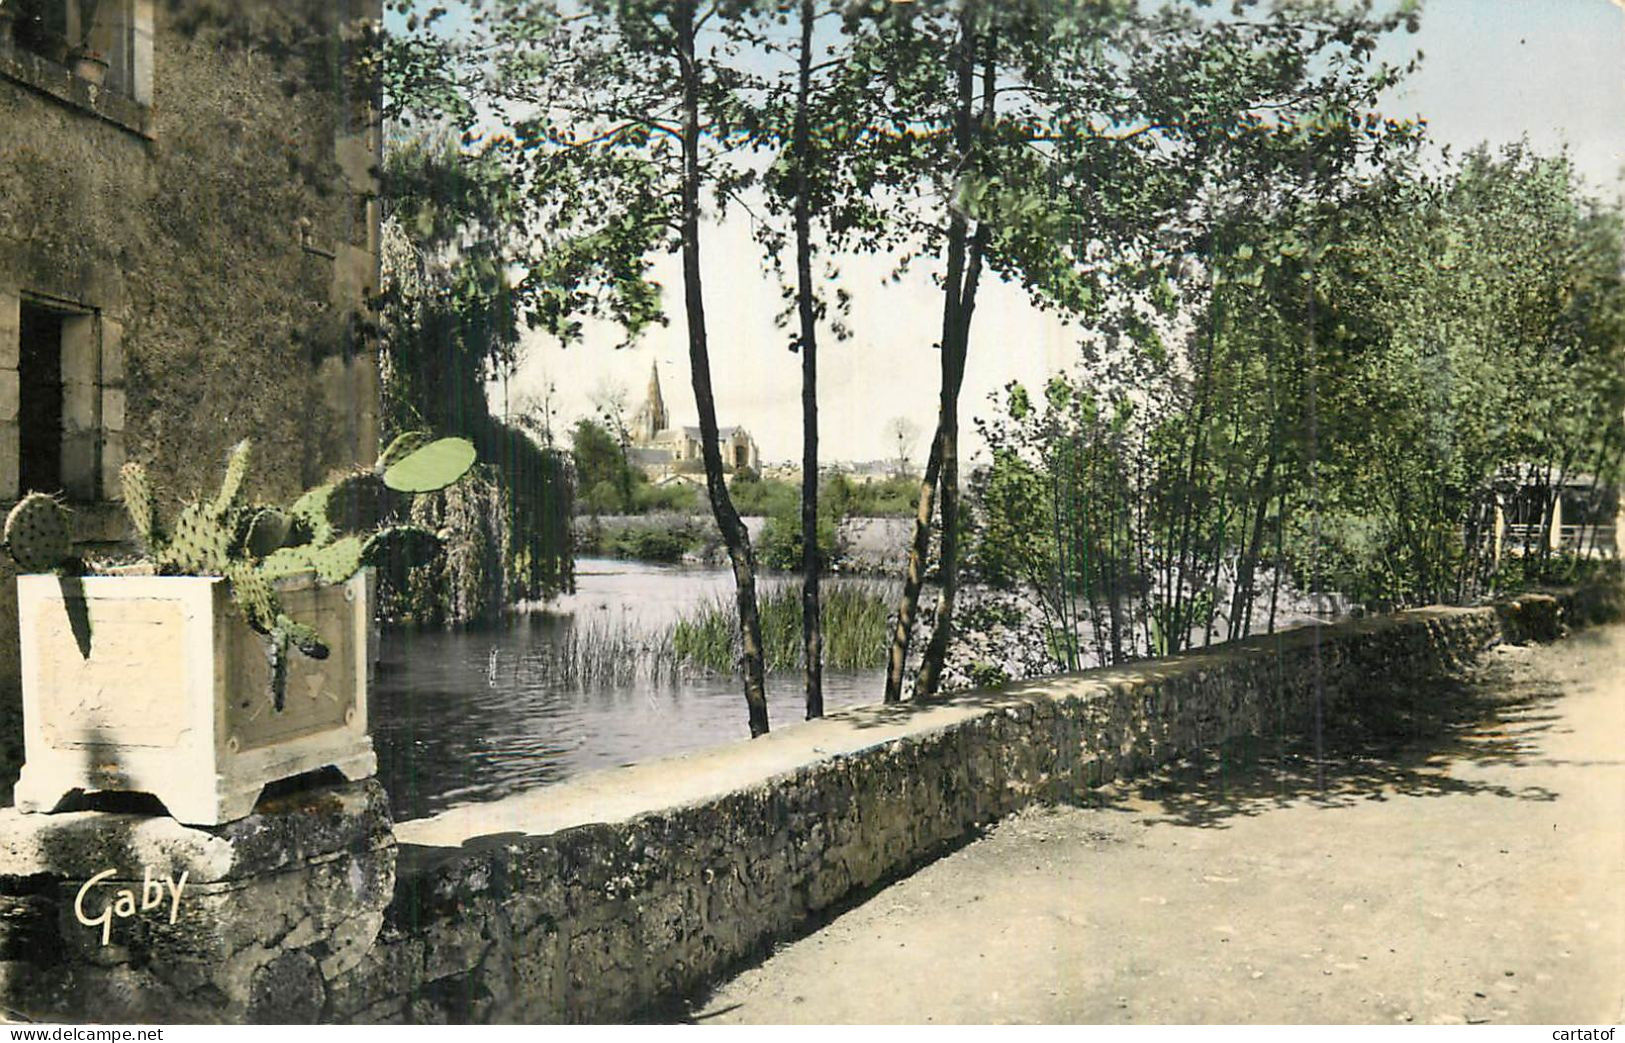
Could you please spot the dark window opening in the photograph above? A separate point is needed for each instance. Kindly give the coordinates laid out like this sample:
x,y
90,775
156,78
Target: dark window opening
x,y
68,31
39,378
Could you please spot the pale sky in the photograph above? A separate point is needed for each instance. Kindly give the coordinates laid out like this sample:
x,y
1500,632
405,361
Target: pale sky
x,y
1493,70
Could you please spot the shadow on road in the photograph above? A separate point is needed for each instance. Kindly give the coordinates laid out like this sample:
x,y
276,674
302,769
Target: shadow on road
x,y
1386,744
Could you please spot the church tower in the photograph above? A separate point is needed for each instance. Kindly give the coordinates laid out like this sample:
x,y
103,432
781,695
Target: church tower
x,y
651,418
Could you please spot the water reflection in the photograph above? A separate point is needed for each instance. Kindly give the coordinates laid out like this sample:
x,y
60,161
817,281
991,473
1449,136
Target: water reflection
x,y
474,715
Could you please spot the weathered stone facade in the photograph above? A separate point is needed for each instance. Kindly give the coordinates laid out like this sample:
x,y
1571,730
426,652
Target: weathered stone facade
x,y
198,238
615,895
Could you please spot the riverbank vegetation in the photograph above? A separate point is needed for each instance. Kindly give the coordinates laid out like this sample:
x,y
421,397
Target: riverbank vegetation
x,y
448,322
594,654
1314,355
1392,398
854,629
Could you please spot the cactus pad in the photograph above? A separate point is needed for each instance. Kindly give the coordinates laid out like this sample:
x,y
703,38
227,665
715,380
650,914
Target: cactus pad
x,y
141,504
401,547
339,560
356,502
404,445
304,638
37,534
309,517
231,487
252,593
266,530
288,561
200,545
433,466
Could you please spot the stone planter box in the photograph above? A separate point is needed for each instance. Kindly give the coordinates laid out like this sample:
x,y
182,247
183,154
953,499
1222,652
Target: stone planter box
x,y
154,684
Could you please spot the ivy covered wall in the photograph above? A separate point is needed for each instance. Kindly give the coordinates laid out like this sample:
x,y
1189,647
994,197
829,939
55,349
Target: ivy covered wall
x,y
225,241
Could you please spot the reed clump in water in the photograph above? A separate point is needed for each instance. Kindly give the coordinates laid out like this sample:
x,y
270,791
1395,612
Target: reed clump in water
x,y
600,654
854,625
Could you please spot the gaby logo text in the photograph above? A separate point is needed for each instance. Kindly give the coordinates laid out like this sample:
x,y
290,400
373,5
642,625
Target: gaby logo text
x,y
106,904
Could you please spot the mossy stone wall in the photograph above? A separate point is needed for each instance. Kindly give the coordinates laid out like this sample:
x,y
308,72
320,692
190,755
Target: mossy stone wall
x,y
228,241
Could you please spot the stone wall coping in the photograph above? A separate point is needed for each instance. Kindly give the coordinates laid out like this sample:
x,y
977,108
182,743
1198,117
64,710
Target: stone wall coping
x,y
622,794
282,833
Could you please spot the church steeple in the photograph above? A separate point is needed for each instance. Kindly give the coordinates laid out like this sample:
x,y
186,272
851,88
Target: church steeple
x,y
651,417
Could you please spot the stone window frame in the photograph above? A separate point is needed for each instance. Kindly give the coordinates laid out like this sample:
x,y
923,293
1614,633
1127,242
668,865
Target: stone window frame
x,y
128,105
93,397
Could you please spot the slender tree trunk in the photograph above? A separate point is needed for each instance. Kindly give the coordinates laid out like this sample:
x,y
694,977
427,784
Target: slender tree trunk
x,y
812,637
958,237
954,351
1249,562
734,535
914,576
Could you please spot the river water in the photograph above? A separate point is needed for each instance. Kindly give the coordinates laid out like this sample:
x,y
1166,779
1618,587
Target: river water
x,y
472,715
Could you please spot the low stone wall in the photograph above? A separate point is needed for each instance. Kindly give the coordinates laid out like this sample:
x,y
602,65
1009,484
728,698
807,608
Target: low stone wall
x,y
611,896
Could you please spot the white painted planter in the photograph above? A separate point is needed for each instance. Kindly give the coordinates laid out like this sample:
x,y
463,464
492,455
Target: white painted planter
x,y
173,698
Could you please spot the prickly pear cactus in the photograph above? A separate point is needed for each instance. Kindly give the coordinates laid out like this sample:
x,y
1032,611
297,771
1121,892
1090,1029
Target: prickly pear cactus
x,y
141,503
309,516
339,560
253,594
356,502
200,545
38,534
231,487
402,546
265,531
332,530
403,445
430,467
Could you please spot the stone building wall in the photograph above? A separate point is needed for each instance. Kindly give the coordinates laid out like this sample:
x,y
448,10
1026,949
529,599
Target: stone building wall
x,y
617,894
208,242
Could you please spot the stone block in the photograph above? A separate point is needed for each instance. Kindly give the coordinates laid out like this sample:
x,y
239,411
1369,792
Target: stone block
x,y
112,368
10,329
171,690
113,409
251,923
79,466
113,456
81,407
10,390
81,351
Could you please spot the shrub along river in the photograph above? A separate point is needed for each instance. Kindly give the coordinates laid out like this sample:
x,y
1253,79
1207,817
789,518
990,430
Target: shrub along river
x,y
474,714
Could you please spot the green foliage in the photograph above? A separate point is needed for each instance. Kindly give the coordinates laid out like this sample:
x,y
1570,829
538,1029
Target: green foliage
x,y
854,626
780,547
327,531
753,494
449,323
1370,381
673,497
895,497
602,470
661,545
